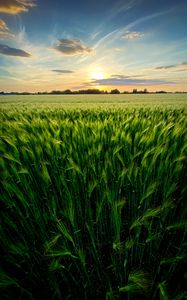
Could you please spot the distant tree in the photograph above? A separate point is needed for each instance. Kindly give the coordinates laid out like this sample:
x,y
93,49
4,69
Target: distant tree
x,y
91,91
125,92
134,91
145,91
161,92
24,93
67,92
56,92
115,91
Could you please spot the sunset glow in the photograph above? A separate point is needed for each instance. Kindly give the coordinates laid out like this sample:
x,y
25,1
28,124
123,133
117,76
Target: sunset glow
x,y
49,45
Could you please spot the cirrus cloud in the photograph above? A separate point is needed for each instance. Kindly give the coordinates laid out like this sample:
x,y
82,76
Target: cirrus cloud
x,y
6,50
14,7
132,35
72,47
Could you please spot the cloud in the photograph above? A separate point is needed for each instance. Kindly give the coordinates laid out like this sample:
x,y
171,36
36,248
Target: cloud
x,y
3,25
6,50
118,8
4,30
72,47
126,77
63,71
165,67
14,7
183,64
132,35
181,70
126,80
4,73
118,33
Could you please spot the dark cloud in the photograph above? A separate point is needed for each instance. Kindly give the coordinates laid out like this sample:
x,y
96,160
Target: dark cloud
x,y
171,66
165,67
184,63
126,77
15,6
116,76
72,47
63,71
6,50
127,81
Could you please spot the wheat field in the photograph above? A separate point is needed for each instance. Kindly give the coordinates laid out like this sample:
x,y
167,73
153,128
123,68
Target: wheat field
x,y
93,197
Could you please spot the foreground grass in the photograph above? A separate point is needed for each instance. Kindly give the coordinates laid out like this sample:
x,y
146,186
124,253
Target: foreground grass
x,y
93,204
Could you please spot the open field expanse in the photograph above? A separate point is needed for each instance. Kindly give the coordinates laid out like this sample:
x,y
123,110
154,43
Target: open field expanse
x,y
93,197
92,101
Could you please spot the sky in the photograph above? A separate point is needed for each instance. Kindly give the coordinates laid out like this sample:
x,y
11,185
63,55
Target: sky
x,y
50,45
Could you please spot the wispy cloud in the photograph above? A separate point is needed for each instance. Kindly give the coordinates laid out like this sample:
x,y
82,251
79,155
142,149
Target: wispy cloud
x,y
117,33
123,6
180,70
126,80
119,8
126,77
4,73
132,35
165,67
16,6
63,71
6,50
3,25
183,64
5,32
72,47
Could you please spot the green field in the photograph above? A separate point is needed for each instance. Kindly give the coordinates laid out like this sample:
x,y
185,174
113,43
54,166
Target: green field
x,y
93,197
94,101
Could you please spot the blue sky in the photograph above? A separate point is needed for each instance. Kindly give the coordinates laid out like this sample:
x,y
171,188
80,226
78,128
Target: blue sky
x,y
49,45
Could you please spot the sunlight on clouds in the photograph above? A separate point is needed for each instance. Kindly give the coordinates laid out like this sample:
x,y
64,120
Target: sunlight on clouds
x,y
14,7
132,35
3,25
5,32
72,47
60,54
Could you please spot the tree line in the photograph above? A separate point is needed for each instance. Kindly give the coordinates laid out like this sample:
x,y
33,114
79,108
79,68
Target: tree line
x,y
81,92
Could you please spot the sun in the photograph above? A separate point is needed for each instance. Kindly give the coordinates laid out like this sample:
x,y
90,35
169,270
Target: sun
x,y
97,74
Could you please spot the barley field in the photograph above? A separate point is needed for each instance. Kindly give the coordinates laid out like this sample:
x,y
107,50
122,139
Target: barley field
x,y
93,197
